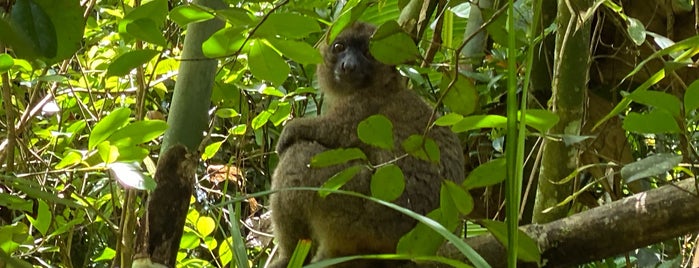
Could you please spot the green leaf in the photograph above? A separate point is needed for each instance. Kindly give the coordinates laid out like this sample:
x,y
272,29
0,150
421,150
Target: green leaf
x,y
277,24
223,42
461,197
206,226
261,119
351,11
298,258
653,165
490,173
336,156
421,240
130,175
155,10
108,153
224,251
108,125
31,19
43,218
541,120
238,130
132,154
186,14
449,119
138,133
237,17
422,148
266,63
12,236
526,246
387,183
298,51
190,240
339,179
462,97
146,30
376,130
16,38
636,31
657,99
6,62
122,65
70,158
691,97
655,121
391,45
69,16
281,113
106,255
226,113
211,150
478,122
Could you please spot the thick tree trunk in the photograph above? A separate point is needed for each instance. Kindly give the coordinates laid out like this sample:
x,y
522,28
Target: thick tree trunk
x,y
570,75
633,222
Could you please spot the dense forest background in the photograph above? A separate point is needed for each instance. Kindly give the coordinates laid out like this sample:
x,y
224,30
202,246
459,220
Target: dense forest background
x,y
562,107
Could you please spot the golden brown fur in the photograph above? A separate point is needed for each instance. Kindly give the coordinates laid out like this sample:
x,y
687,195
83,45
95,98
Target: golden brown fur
x,y
358,86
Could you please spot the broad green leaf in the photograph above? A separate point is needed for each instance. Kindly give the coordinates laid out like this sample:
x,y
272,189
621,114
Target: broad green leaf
x,y
14,235
461,197
298,51
6,62
155,10
15,37
266,63
190,240
541,120
132,153
237,17
261,119
387,183
655,121
70,158
226,113
123,65
206,226
224,42
225,253
210,242
653,165
186,14
108,125
32,20
277,24
106,255
13,202
238,129
336,156
393,46
43,218
449,119
528,248
657,99
490,173
37,191
422,148
339,179
211,150
478,122
108,153
376,130
422,240
138,133
281,113
130,175
146,30
462,97
691,97
271,91
636,31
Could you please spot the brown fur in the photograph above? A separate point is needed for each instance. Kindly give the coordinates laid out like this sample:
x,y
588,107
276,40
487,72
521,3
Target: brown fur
x,y
341,225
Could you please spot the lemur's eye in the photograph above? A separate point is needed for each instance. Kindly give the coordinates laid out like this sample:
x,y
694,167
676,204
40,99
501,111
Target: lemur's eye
x,y
338,47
